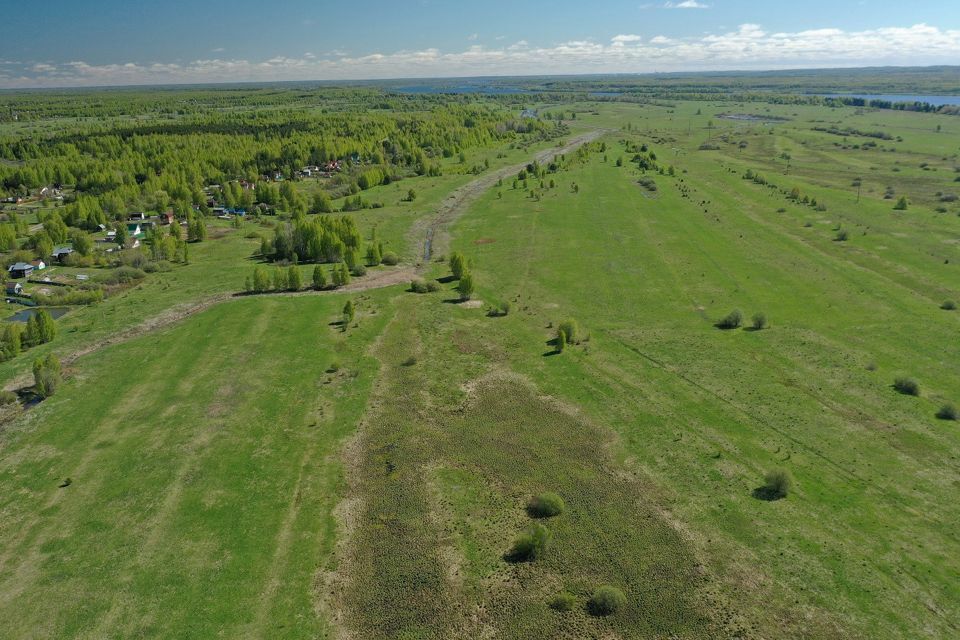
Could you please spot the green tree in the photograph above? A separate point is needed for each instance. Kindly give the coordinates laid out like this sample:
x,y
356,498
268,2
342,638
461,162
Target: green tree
x,y
901,204
465,286
294,278
279,279
373,255
46,375
261,280
122,235
458,265
569,330
349,312
319,278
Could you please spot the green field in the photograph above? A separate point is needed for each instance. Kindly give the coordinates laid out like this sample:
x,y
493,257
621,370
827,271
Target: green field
x,y
256,470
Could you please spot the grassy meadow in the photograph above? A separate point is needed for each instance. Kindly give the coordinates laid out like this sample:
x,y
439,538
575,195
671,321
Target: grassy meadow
x,y
258,471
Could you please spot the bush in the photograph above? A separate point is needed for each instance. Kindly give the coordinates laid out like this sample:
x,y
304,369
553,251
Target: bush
x,y
731,321
546,505
947,412
433,287
390,259
569,329
531,545
563,602
907,386
948,305
777,484
7,397
759,321
358,270
409,362
123,275
842,235
418,286
606,601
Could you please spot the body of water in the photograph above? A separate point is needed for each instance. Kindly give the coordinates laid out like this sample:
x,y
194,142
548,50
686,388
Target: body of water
x,y
470,88
937,100
24,314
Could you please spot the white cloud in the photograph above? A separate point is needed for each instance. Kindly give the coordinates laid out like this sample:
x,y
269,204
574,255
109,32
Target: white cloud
x,y
686,4
747,47
473,37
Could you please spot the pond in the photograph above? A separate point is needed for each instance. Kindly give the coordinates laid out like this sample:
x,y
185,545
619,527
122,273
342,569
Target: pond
x,y
24,314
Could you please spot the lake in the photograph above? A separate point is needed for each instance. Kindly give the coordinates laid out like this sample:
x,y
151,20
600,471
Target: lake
x,y
24,314
937,100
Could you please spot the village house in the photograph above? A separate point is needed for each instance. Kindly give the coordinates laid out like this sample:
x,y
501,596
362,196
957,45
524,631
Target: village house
x,y
166,218
39,265
14,289
20,270
62,253
134,230
137,215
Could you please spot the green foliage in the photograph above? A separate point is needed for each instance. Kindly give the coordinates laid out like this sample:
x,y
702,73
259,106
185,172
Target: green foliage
x,y
563,602
731,321
349,312
40,329
606,600
46,375
842,235
465,286
294,278
901,204
319,278
948,305
947,412
389,258
759,321
197,230
418,286
341,275
531,545
777,484
373,255
907,386
261,280
569,330
545,505
458,265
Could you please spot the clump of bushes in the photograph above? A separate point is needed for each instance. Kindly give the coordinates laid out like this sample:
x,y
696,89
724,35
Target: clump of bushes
x,y
759,321
606,601
123,275
390,259
776,485
531,544
418,286
7,397
947,412
546,505
842,235
907,386
948,305
731,321
563,602
46,375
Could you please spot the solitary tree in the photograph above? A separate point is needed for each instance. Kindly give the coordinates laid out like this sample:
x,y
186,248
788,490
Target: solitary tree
x,y
349,312
465,286
458,265
46,375
901,204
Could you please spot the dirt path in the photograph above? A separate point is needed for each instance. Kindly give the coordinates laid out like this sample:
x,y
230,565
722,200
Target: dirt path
x,y
433,232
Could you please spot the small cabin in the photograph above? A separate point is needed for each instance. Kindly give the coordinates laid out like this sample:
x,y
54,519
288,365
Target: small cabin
x,y
39,265
20,270
134,230
61,254
137,215
14,289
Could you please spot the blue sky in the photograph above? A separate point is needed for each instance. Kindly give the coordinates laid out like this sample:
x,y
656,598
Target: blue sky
x,y
83,42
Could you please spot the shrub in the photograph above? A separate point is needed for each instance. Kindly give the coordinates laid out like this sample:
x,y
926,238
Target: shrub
x,y
907,386
731,321
606,601
546,505
7,397
563,602
948,305
46,375
531,545
569,329
777,484
465,286
418,286
410,361
433,287
390,258
358,270
901,204
759,321
842,235
947,412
